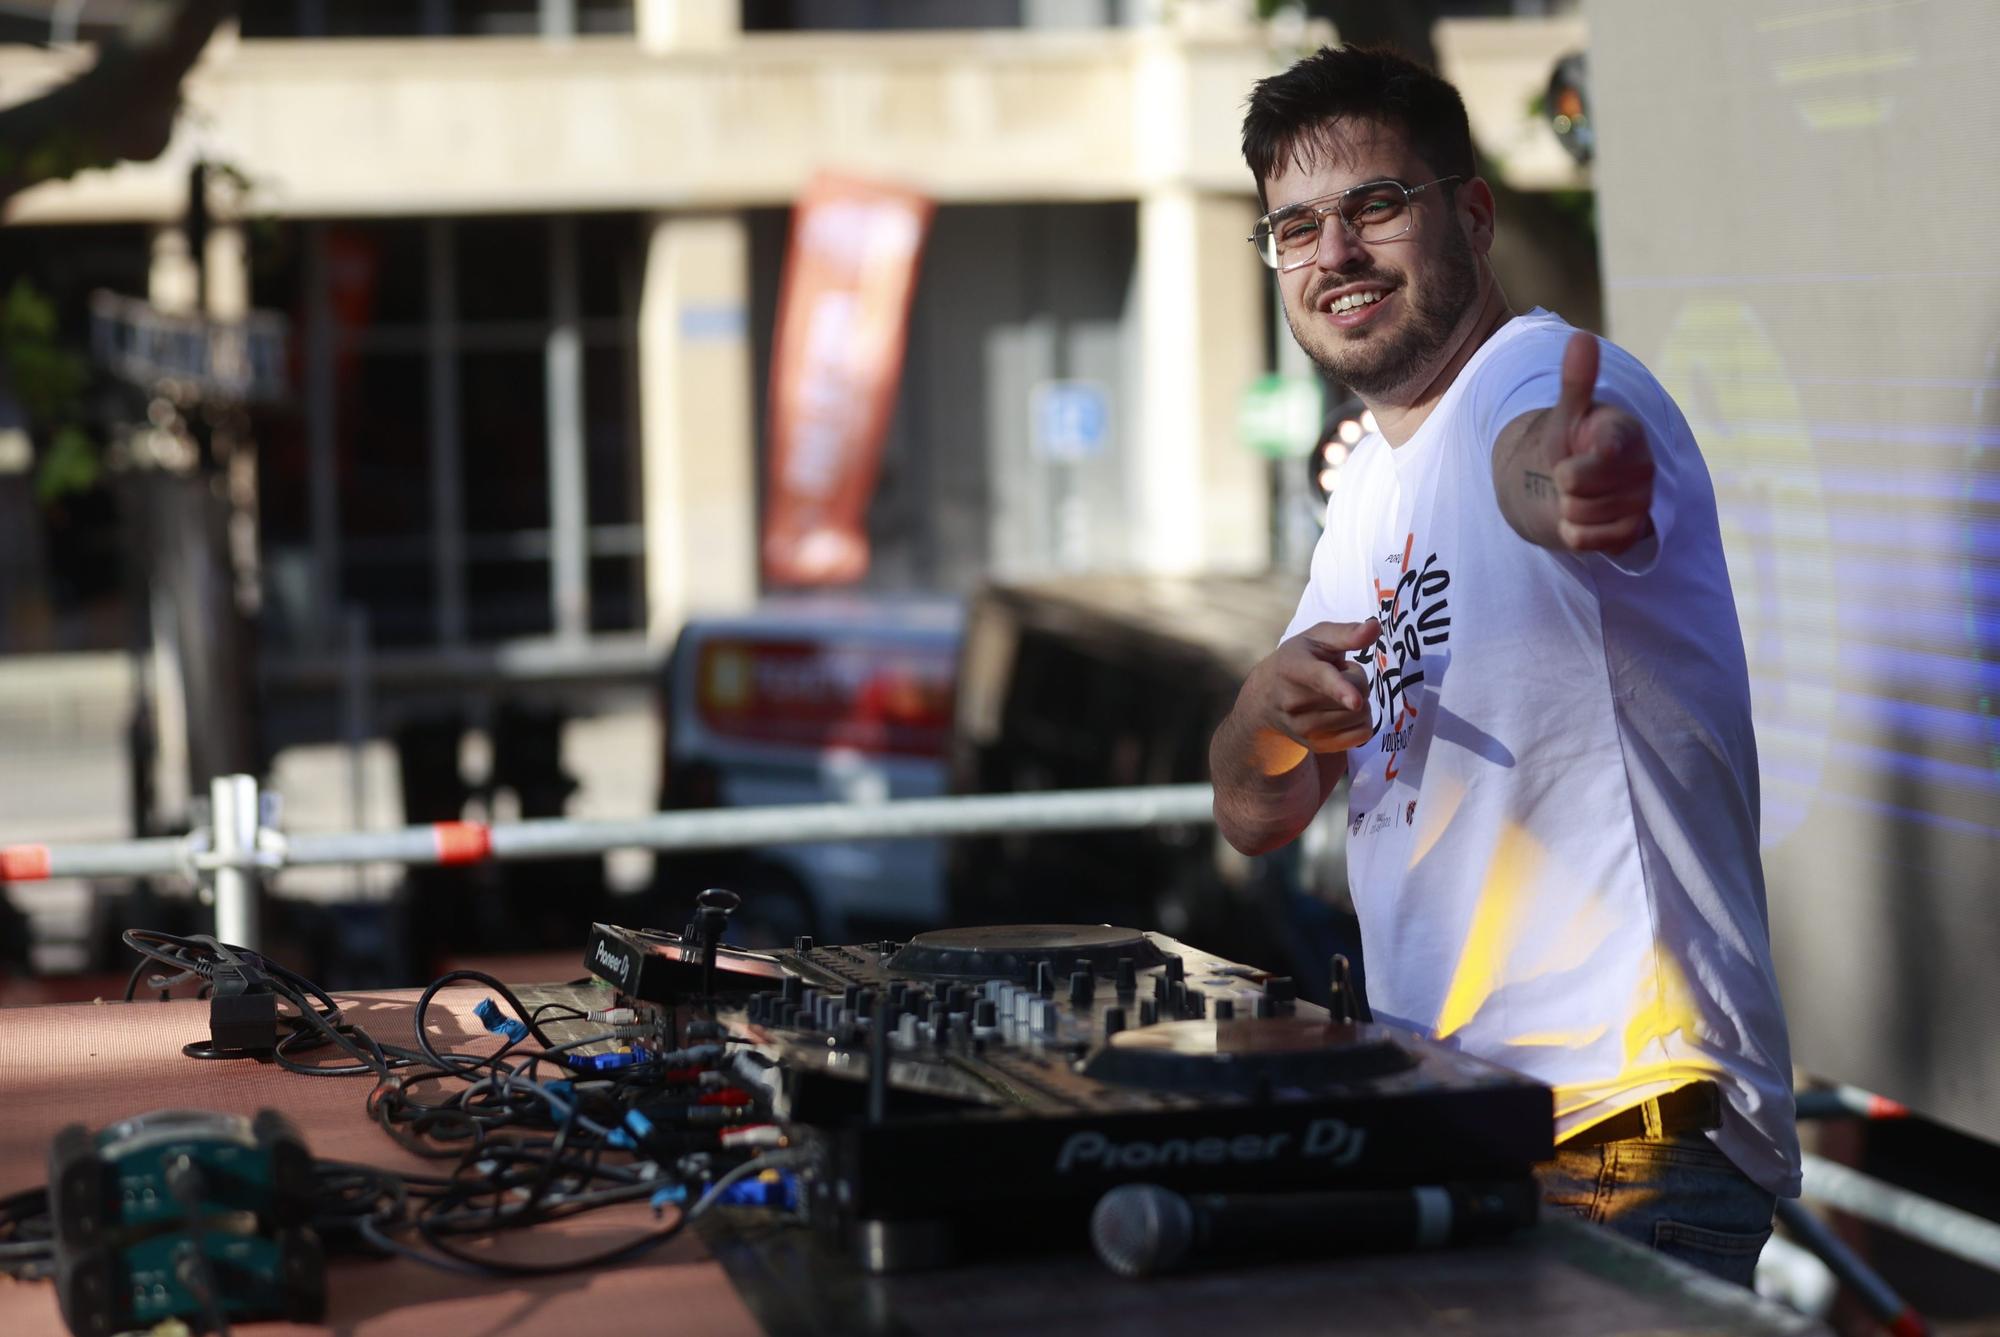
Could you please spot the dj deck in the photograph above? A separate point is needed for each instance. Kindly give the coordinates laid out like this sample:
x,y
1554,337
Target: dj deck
x,y
983,1131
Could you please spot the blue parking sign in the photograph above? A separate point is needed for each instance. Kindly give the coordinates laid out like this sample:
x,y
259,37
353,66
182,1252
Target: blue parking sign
x,y
1072,419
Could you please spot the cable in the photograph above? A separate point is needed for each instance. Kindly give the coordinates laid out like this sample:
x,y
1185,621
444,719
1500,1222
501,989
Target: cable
x,y
523,1150
770,1160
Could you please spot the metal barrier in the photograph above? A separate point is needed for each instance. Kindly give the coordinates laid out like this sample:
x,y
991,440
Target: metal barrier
x,y
229,858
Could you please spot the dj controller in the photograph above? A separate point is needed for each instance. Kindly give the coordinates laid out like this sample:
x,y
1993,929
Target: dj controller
x,y
987,1088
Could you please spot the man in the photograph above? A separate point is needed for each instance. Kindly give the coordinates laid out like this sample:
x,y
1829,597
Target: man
x,y
1518,639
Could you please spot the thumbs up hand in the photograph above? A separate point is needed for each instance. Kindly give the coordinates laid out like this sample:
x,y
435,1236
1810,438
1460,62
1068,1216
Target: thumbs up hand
x,y
1602,474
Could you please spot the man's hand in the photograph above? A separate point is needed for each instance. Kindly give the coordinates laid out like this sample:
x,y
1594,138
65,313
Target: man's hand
x,y
1305,699
1309,692
1579,476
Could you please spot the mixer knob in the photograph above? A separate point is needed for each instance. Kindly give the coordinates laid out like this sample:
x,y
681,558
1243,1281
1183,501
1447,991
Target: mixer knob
x,y
1176,968
1149,1012
1114,1021
802,943
1128,976
1176,1004
1197,1003
1082,986
898,991
791,987
1049,1020
1264,1008
1225,1010
986,1015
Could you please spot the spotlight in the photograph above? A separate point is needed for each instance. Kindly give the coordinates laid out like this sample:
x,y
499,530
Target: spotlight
x,y
1345,426
1567,105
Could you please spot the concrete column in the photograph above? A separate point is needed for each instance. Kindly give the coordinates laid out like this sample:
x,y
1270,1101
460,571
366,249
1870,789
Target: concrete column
x,y
1203,499
697,438
687,25
173,281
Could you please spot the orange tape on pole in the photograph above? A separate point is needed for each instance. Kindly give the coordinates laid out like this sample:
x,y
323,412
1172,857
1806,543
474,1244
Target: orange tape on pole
x,y
462,842
24,863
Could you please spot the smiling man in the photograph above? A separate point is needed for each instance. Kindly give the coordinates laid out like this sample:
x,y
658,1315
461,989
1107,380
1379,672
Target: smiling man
x,y
1518,639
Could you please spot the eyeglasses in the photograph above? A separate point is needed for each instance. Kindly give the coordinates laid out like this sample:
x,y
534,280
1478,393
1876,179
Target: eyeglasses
x,y
1373,212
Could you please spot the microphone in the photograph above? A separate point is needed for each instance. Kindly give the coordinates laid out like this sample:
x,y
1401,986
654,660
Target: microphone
x,y
1142,1230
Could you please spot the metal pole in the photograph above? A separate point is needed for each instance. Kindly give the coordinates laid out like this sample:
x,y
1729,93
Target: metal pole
x,y
569,500
903,819
1846,1265
1946,1229
234,809
463,842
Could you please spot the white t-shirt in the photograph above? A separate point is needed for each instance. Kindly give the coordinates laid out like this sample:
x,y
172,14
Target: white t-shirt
x,y
1553,832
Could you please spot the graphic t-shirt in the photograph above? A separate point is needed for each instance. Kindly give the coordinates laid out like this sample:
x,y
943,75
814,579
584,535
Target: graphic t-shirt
x,y
1552,835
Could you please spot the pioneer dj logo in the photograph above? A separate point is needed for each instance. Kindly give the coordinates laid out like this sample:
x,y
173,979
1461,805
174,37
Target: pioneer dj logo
x,y
1332,1140
613,962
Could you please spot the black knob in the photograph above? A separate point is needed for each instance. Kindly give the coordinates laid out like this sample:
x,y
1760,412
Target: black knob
x,y
849,996
802,943
808,1000
1280,989
1149,1012
939,1011
864,1003
1082,986
1176,1004
1225,1009
717,898
898,991
847,1035
1197,1003
1160,988
940,1029
1114,1021
791,988
1128,976
1264,1008
1045,979
1176,968
986,1015
957,998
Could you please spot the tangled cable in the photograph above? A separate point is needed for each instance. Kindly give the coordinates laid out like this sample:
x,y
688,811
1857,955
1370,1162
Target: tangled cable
x,y
534,1134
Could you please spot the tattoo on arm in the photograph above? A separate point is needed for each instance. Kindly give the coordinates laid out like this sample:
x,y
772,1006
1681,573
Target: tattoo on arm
x,y
1538,484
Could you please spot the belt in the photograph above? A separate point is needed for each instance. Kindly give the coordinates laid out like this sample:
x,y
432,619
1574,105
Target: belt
x,y
1685,1109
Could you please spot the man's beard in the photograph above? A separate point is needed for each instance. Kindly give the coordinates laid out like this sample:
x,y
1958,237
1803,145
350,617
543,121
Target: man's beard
x,y
1377,367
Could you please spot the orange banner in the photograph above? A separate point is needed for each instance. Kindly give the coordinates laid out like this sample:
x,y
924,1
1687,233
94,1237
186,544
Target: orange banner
x,y
843,321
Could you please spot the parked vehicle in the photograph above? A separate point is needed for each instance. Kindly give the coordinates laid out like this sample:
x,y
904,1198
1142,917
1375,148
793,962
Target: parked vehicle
x,y
1088,682
813,699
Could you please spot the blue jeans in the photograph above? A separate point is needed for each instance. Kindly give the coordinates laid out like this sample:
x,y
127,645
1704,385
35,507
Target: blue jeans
x,y
1676,1194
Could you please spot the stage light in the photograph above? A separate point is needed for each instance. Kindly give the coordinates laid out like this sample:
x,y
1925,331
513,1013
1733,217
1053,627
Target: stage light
x,y
1344,428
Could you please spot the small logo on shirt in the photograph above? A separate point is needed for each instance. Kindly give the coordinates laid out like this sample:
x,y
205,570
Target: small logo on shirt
x,y
1394,559
1354,827
1381,820
1410,814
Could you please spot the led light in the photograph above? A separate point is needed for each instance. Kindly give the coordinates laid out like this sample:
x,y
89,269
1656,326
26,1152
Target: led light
x,y
1350,431
1329,479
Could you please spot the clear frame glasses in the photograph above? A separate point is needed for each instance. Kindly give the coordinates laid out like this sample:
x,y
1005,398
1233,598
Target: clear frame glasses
x,y
1372,212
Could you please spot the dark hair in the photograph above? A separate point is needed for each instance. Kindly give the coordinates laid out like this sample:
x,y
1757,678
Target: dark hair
x,y
1288,112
